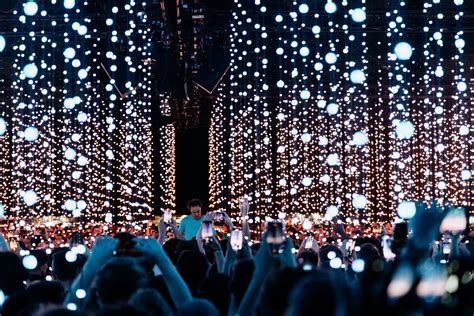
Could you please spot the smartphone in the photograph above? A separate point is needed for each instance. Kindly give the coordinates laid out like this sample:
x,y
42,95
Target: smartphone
x,y
167,216
309,242
275,237
236,239
13,243
455,221
206,230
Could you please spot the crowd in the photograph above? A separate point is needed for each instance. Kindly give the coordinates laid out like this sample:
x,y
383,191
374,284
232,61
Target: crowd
x,y
424,266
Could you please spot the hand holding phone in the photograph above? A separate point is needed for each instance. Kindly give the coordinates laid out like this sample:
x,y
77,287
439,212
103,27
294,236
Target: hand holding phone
x,y
206,230
455,221
236,239
275,237
167,216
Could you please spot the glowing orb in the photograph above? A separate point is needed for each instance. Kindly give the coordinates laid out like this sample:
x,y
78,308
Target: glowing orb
x,y
358,265
464,130
318,66
439,72
31,134
278,18
405,130
307,181
316,29
406,209
305,94
70,256
359,201
70,205
30,8
69,53
82,30
304,51
82,117
70,154
331,211
460,43
108,217
30,197
69,103
303,8
280,84
357,76
82,161
332,108
332,160
3,43
323,141
82,74
462,86
330,7
30,262
3,127
69,4
360,139
306,137
30,71
458,2
358,15
466,175
403,51
307,224
330,58
81,204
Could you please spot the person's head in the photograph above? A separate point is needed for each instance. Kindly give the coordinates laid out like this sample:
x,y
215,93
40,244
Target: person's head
x,y
198,307
12,273
150,301
216,288
119,279
193,268
195,208
241,277
63,270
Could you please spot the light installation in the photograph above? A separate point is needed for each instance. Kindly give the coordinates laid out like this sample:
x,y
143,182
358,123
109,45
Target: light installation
x,y
75,129
305,124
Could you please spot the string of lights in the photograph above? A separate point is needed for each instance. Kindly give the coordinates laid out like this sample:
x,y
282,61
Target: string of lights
x,y
323,132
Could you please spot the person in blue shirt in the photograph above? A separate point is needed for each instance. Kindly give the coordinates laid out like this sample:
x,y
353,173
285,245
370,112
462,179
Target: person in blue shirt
x,y
190,224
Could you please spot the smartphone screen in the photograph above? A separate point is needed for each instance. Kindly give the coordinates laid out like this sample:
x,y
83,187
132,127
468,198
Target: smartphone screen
x,y
167,216
275,237
236,239
206,230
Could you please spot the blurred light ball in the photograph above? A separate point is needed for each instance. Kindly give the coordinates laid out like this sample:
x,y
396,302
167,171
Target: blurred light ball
x,y
439,72
330,58
82,161
75,137
305,94
82,30
69,53
462,86
30,262
303,8
403,51
82,117
359,201
466,175
307,224
307,181
360,139
323,141
464,130
458,2
30,70
80,293
332,160
304,51
442,185
81,204
335,263
406,209
3,43
69,103
357,76
71,256
3,127
31,134
69,4
332,211
332,108
306,137
358,15
30,8
460,43
30,197
316,29
82,74
405,130
279,51
280,84
70,205
330,7
76,213
70,154
318,66
278,18
321,104
108,217
358,265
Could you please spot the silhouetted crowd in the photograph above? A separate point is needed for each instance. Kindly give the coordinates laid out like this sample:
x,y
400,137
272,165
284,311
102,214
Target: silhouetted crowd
x,y
422,266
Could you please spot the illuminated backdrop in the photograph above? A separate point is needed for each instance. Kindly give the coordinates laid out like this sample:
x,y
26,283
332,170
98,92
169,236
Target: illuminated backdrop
x,y
314,119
